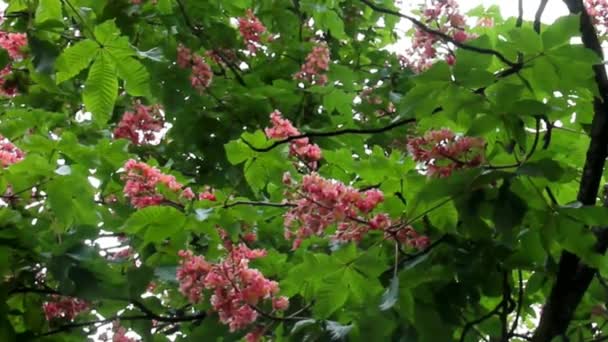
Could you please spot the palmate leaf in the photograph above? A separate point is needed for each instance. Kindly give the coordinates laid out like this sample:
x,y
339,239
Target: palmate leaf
x,y
135,76
75,59
48,10
101,88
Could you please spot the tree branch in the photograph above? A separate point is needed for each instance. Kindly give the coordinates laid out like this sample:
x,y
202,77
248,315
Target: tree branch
x,y
440,34
574,277
473,323
258,204
539,14
520,16
176,319
330,134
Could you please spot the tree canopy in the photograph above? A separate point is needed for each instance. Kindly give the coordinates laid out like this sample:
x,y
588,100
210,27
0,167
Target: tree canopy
x,y
225,170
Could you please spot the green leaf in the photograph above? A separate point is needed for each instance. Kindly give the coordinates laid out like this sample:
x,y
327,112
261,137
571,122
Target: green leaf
x,y
547,168
561,31
337,330
156,218
101,88
138,279
340,101
74,59
445,217
509,210
390,296
48,10
135,76
331,296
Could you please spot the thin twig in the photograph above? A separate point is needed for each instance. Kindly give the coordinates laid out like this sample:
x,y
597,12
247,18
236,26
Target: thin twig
x,y
473,323
539,14
258,204
440,34
331,134
520,17
520,301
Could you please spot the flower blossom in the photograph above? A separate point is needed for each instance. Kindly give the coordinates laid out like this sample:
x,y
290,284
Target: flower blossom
x,y
120,334
142,181
236,288
598,11
316,65
201,73
442,152
141,125
301,148
13,43
251,29
61,307
320,203
427,48
9,153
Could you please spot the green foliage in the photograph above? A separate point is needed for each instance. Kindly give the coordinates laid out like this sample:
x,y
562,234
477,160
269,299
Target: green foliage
x,y
495,229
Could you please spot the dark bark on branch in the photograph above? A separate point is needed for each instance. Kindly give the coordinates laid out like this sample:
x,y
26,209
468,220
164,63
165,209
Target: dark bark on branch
x,y
331,134
443,36
520,16
574,277
539,14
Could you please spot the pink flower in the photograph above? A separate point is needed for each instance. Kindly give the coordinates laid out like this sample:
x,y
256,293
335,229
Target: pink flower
x,y
320,203
235,287
120,334
13,43
316,65
301,148
280,303
251,29
61,307
141,181
184,56
598,11
441,152
188,194
202,75
140,126
9,153
427,48
460,36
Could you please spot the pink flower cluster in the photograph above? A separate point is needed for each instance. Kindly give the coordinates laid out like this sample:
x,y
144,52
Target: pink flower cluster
x,y
66,308
409,237
598,11
201,75
320,203
14,44
141,125
314,69
441,15
119,334
142,181
9,153
251,29
442,151
121,254
301,148
236,288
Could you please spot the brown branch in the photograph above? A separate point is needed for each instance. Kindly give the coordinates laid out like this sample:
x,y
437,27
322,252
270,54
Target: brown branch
x,y
539,14
520,10
258,204
440,34
573,276
331,134
175,319
473,323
